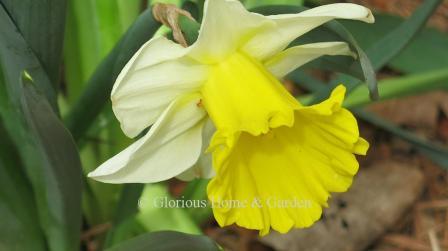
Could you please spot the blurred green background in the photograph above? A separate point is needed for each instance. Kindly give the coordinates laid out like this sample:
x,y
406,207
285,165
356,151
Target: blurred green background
x,y
58,62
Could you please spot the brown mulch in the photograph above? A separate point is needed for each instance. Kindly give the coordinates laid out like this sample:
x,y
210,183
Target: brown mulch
x,y
405,8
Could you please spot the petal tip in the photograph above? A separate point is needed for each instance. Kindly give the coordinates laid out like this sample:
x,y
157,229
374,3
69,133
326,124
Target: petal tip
x,y
361,146
369,18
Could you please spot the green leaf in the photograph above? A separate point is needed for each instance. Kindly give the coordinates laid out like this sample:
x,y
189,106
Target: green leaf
x,y
129,11
16,55
401,86
99,86
167,241
93,28
49,156
50,159
390,45
20,225
41,23
427,51
126,209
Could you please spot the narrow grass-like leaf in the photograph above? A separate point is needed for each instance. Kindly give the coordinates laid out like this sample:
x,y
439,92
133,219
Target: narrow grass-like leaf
x,y
16,56
50,159
127,207
427,51
389,46
41,23
49,156
93,28
20,225
401,86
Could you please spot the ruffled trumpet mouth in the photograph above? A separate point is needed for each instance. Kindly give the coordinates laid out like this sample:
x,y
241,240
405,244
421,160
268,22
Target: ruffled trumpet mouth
x,y
298,165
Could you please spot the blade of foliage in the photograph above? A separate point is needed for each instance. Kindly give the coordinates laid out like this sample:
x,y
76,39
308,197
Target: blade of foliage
x,y
337,32
99,86
428,50
41,23
401,86
50,159
128,204
20,225
127,207
390,45
129,11
93,28
16,56
167,241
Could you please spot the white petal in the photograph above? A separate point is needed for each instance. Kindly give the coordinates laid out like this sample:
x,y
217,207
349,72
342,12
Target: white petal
x,y
156,75
290,26
203,168
172,145
294,57
226,25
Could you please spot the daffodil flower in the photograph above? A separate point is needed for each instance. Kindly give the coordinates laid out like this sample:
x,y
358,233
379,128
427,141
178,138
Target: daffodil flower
x,y
219,103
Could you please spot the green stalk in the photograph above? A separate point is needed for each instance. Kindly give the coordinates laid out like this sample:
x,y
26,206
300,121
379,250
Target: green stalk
x,y
399,87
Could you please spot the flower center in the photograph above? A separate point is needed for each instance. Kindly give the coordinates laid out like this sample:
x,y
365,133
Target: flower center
x,y
241,95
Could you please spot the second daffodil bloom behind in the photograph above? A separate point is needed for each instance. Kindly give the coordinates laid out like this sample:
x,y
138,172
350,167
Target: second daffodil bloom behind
x,y
218,110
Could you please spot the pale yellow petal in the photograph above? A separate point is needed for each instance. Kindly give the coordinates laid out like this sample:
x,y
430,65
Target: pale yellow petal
x,y
203,167
171,146
294,57
226,25
290,26
147,85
